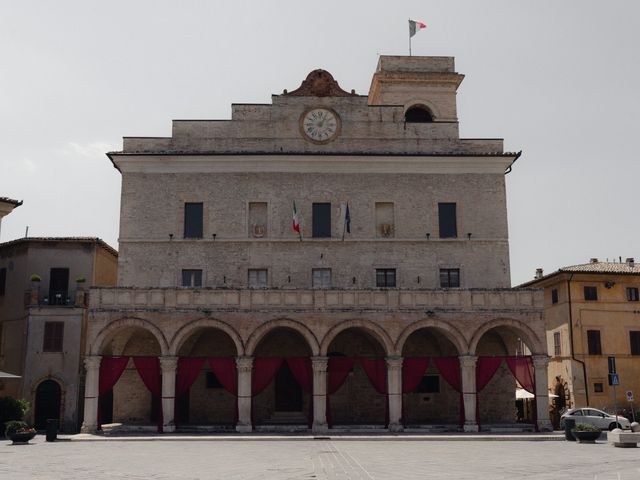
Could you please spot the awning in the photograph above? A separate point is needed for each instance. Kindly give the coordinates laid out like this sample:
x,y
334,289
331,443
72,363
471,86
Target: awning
x,y
8,375
521,394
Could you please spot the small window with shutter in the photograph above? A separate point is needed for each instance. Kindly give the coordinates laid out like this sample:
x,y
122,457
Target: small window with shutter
x,y
53,336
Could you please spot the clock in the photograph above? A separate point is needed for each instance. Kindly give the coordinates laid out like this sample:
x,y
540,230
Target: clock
x,y
320,125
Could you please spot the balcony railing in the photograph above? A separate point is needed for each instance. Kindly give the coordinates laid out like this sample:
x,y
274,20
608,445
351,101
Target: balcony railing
x,y
57,298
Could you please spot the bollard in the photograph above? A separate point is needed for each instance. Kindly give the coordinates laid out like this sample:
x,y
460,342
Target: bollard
x,y
52,429
569,423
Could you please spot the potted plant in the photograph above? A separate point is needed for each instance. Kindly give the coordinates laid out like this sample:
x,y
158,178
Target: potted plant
x,y
586,433
35,280
80,279
19,432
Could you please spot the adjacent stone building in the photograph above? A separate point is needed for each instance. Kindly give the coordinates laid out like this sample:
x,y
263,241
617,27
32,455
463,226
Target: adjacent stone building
x,y
328,260
43,323
592,312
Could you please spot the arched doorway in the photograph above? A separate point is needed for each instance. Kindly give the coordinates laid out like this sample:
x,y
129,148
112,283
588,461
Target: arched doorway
x,y
210,353
286,399
433,401
502,352
48,398
356,401
129,401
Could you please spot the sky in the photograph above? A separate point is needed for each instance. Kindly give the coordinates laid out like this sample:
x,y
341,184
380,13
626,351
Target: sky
x,y
557,80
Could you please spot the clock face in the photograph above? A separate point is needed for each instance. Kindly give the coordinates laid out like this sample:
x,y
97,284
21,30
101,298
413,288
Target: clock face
x,y
320,125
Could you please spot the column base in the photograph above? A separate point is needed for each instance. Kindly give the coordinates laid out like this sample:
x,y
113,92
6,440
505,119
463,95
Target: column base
x,y
320,428
396,427
471,427
169,428
244,428
88,428
545,426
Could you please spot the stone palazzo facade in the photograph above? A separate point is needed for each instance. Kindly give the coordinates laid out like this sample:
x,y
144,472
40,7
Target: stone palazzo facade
x,y
328,260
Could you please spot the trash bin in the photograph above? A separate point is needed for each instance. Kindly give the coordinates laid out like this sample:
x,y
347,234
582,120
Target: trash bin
x,y
569,423
52,429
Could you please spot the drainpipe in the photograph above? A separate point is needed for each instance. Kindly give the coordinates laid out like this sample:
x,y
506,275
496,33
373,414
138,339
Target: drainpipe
x,y
573,353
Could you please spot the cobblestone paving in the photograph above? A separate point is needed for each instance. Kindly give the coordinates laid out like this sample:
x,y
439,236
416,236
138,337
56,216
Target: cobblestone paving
x,y
317,459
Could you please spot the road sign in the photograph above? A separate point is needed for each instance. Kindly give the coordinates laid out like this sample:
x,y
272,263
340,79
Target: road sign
x,y
629,396
612,365
614,379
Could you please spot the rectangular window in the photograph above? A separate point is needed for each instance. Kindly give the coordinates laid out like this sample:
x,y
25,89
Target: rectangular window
x,y
634,337
591,293
557,350
447,219
598,387
593,339
429,384
3,280
554,296
53,335
191,278
321,220
257,278
449,278
632,293
321,278
193,213
385,277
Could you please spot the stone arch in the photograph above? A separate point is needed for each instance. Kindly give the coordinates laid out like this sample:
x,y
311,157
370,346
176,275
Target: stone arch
x,y
424,104
529,336
97,346
371,327
190,328
448,330
259,333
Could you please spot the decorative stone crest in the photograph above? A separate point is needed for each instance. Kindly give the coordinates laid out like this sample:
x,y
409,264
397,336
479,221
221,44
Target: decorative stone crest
x,y
320,83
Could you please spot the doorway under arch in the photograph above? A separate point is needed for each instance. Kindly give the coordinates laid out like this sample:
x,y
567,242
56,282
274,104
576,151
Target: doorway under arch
x,y
48,401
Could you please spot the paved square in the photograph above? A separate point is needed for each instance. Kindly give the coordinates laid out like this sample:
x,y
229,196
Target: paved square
x,y
317,459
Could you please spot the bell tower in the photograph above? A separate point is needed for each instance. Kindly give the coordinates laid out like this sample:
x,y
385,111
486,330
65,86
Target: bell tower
x,y
425,86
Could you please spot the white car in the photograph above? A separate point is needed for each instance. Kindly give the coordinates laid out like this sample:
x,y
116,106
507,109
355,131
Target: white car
x,y
595,417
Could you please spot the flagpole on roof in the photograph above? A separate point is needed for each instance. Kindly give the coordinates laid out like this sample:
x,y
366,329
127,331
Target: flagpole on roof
x,y
409,37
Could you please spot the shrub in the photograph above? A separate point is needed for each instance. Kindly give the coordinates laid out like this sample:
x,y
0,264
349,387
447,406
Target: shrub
x,y
81,279
13,427
585,427
12,409
35,277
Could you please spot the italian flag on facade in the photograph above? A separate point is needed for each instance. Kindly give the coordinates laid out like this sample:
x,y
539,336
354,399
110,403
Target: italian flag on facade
x,y
296,221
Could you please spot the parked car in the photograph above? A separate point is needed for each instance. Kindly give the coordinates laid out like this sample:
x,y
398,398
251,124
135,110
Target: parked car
x,y
595,417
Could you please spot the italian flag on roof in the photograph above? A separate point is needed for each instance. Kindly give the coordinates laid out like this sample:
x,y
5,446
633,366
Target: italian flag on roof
x,y
415,26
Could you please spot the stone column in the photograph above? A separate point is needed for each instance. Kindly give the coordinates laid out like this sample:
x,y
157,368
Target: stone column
x,y
244,366
168,366
319,365
394,392
469,393
91,394
540,363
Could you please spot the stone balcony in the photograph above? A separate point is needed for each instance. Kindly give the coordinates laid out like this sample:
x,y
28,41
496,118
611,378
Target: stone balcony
x,y
176,298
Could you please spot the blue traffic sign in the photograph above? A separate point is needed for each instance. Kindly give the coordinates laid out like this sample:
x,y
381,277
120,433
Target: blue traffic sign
x,y
614,379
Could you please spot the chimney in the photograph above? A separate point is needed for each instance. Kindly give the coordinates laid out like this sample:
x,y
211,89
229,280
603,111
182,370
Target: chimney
x,y
631,262
538,273
593,260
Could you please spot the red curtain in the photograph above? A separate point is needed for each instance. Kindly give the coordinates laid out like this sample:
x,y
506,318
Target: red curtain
x,y
188,370
485,370
412,373
264,369
301,369
149,370
111,369
338,369
376,370
226,372
449,368
522,369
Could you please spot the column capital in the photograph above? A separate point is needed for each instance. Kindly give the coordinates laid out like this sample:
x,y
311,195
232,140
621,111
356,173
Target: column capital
x,y
244,363
394,361
540,360
468,360
319,364
168,363
92,362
